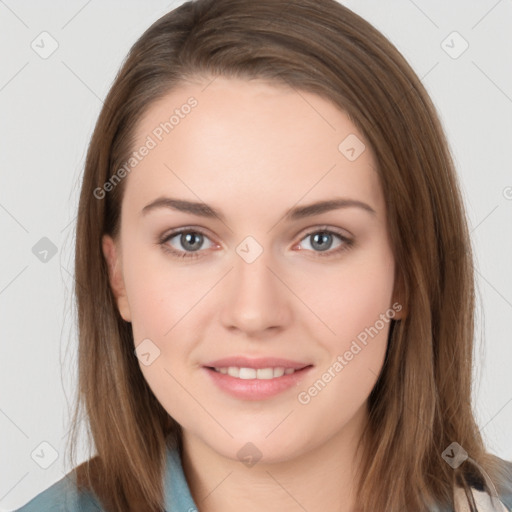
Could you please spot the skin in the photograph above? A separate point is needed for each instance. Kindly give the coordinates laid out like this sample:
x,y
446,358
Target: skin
x,y
253,150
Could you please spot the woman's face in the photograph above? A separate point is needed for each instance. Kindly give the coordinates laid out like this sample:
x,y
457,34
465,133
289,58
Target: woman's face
x,y
266,276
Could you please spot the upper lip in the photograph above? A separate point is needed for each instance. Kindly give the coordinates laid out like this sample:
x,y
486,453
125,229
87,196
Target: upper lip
x,y
260,362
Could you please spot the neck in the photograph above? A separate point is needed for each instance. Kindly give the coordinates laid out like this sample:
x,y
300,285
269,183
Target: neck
x,y
321,478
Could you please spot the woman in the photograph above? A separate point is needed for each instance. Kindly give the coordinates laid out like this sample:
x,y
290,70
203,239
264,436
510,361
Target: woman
x,y
273,277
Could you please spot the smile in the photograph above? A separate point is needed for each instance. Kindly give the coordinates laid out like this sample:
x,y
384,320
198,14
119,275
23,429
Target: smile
x,y
246,383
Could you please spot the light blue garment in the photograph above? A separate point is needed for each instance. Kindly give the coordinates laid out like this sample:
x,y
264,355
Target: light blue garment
x,y
63,495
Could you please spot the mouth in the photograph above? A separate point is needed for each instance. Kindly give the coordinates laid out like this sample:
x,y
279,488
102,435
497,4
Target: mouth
x,y
253,382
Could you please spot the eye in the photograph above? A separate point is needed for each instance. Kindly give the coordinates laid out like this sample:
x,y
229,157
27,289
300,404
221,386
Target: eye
x,y
189,239
321,241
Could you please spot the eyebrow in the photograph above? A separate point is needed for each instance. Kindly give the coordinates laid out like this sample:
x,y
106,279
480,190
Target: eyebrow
x,y
296,213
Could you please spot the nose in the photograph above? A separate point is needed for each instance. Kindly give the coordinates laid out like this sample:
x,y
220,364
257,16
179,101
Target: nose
x,y
255,298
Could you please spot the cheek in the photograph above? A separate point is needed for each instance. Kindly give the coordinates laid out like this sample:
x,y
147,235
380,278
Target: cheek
x,y
358,309
160,295
161,304
351,296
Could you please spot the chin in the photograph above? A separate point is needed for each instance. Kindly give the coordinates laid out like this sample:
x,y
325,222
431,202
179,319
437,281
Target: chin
x,y
255,447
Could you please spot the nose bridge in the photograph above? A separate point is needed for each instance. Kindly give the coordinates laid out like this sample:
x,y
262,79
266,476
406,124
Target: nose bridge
x,y
252,269
255,299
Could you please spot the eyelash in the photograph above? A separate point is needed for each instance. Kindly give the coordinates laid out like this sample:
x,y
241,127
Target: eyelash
x,y
347,243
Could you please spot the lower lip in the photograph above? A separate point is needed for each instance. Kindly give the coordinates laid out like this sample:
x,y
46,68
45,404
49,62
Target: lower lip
x,y
256,389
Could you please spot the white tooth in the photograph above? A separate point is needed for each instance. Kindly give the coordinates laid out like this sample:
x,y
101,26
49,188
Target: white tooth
x,y
289,371
279,371
234,371
265,373
223,370
216,369
247,373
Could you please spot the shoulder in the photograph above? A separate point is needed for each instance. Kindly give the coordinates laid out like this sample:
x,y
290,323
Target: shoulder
x,y
502,490
482,501
63,496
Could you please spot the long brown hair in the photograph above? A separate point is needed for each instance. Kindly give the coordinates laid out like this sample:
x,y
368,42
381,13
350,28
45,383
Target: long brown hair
x,y
421,402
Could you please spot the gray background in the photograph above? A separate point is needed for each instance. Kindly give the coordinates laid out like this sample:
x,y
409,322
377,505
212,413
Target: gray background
x,y
48,110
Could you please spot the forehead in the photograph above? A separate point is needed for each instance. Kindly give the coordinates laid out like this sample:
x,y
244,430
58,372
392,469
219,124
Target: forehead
x,y
230,141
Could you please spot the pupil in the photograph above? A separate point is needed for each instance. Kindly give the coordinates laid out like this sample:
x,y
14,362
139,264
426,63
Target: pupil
x,y
324,238
187,243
